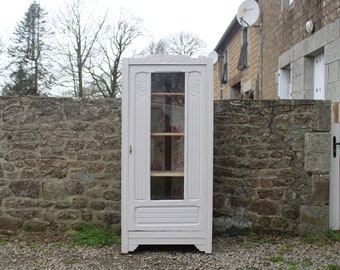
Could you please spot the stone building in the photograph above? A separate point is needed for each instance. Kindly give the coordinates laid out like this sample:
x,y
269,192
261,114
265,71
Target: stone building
x,y
237,73
285,59
293,52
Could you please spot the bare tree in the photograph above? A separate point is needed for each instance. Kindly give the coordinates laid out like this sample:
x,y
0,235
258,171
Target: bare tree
x,y
155,47
115,40
182,43
79,32
185,43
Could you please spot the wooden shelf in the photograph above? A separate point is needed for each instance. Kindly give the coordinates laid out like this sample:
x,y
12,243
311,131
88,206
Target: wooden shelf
x,y
158,134
167,174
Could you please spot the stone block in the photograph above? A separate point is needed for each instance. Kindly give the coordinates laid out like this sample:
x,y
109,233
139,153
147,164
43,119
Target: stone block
x,y
75,145
79,203
68,215
53,190
112,217
317,152
333,91
53,166
280,224
333,72
263,207
25,188
36,226
313,219
4,192
272,194
13,115
322,116
320,188
333,31
331,51
291,211
10,224
98,205
59,189
74,188
112,195
315,42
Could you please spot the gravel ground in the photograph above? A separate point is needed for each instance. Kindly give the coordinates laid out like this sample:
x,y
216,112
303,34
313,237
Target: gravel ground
x,y
271,252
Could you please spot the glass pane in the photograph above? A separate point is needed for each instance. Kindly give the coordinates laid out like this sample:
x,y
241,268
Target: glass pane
x,y
167,188
167,82
167,153
167,136
167,113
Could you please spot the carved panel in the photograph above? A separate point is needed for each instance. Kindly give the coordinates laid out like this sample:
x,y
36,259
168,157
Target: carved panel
x,y
193,133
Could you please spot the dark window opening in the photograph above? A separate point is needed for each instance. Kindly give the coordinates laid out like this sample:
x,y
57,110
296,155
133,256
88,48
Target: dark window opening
x,y
235,91
224,77
243,59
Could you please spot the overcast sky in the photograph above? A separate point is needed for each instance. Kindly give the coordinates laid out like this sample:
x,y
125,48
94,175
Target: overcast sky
x,y
207,19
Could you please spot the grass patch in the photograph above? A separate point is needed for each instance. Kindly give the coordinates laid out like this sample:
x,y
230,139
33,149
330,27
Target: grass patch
x,y
333,235
262,240
92,235
3,241
246,245
333,267
321,239
285,251
292,263
276,259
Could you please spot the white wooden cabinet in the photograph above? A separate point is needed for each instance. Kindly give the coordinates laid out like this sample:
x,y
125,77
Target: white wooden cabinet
x,y
167,152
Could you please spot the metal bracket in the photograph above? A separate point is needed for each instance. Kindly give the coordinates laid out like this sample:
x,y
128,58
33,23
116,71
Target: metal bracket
x,y
334,146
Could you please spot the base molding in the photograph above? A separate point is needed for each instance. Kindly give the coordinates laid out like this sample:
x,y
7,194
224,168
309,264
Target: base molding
x,y
198,239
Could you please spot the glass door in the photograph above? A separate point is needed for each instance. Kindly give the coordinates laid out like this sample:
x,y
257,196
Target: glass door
x,y
167,135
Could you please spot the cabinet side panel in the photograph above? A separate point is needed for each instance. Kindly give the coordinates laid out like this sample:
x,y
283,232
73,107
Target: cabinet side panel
x,y
125,157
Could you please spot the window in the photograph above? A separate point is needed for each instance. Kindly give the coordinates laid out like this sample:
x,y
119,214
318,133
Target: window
x,y
284,91
224,77
235,91
243,59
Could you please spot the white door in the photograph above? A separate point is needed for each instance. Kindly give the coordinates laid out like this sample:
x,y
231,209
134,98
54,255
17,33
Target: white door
x,y
169,166
285,83
334,195
319,77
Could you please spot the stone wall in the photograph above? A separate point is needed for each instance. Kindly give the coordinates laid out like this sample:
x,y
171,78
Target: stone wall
x,y
271,165
60,164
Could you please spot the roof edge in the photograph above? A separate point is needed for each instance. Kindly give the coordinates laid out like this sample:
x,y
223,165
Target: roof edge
x,y
228,34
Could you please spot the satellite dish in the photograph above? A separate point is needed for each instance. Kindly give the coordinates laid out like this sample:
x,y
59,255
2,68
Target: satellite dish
x,y
248,13
214,56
